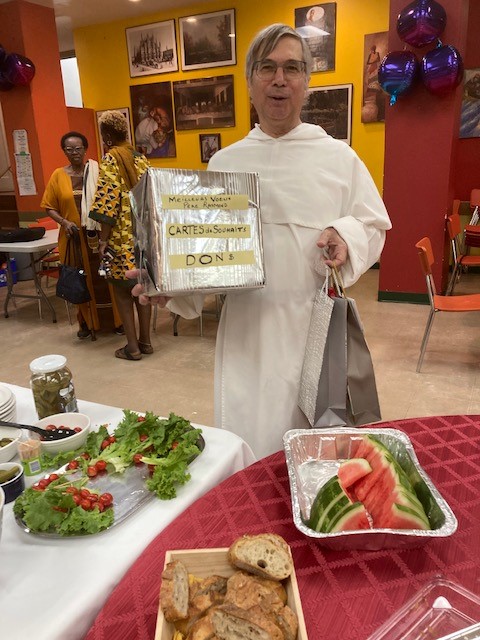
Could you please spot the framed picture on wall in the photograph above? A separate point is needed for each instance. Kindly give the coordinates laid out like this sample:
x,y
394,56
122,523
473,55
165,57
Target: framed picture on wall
x,y
470,114
330,108
373,98
152,49
208,40
317,24
204,103
152,115
125,111
209,145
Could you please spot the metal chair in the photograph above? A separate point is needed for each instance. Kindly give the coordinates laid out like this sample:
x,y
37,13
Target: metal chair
x,y
460,303
461,259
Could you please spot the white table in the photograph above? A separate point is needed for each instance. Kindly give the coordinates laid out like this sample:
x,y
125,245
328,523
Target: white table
x,y
45,245
53,589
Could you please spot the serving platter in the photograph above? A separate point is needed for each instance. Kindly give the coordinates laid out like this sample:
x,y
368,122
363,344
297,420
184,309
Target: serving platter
x,y
314,456
128,489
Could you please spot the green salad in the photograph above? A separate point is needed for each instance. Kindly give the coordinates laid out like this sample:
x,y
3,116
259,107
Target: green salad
x,y
59,505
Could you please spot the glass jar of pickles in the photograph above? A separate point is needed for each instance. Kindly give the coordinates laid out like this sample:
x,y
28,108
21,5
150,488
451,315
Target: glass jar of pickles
x,y
52,386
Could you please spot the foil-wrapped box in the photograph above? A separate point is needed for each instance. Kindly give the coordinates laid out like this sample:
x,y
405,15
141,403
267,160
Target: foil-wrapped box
x,y
197,231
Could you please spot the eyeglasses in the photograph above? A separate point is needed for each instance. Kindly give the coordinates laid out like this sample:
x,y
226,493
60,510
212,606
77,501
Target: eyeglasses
x,y
73,149
267,69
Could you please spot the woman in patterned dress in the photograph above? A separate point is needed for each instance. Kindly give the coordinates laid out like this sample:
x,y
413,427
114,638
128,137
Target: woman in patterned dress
x,y
120,170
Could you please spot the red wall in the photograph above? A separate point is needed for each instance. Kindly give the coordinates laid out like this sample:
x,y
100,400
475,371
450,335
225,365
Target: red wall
x,y
467,158
421,139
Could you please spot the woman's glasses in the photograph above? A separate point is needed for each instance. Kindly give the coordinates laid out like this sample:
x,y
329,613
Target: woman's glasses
x,y
267,69
73,149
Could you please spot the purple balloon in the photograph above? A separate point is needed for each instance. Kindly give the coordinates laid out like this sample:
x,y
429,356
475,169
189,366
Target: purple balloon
x,y
18,69
397,73
421,22
5,85
442,69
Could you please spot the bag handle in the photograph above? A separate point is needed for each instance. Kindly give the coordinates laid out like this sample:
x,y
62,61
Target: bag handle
x,y
77,253
337,282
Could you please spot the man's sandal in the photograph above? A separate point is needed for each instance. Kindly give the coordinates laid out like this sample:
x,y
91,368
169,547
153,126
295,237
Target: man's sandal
x,y
124,354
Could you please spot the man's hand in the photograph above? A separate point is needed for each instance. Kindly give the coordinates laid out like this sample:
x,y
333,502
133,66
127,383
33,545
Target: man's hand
x,y
137,291
335,247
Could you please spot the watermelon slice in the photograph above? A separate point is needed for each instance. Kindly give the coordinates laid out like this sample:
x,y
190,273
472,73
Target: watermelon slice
x,y
350,471
352,518
329,501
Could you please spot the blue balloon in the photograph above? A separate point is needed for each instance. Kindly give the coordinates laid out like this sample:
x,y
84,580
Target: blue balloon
x,y
397,73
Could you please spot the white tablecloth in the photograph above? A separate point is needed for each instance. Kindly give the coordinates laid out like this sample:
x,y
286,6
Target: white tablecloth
x,y
53,589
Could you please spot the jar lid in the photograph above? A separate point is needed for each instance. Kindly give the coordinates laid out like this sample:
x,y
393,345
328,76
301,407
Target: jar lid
x,y
46,364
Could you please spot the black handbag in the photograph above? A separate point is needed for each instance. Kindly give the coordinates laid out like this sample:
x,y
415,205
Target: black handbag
x,y
22,234
72,280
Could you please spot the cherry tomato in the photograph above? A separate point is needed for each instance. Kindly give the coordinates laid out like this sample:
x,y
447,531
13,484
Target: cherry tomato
x,y
77,429
73,464
50,427
43,484
91,471
85,456
99,505
174,444
100,465
112,439
143,437
53,476
86,504
77,498
141,419
84,493
106,499
137,458
36,487
105,444
71,490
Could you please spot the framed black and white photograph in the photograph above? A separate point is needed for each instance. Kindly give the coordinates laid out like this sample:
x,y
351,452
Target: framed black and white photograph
x,y
208,40
152,49
317,24
330,108
470,115
152,115
204,103
125,111
209,145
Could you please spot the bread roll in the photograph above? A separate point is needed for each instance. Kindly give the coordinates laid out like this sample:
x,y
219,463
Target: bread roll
x,y
174,591
266,555
233,623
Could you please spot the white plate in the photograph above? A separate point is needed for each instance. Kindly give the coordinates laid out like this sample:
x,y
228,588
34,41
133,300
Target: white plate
x,y
6,396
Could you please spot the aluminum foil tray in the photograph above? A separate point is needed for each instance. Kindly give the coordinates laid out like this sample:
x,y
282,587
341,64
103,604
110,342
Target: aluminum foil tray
x,y
313,457
197,231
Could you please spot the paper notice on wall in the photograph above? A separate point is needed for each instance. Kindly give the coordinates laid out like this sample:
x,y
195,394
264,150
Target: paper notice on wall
x,y
20,141
24,173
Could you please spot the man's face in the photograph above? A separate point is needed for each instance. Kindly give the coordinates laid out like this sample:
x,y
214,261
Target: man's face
x,y
279,100
161,118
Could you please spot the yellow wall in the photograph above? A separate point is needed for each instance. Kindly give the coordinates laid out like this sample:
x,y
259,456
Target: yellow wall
x,y
104,75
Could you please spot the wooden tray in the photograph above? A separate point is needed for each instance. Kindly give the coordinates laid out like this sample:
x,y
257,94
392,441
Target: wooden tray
x,y
206,562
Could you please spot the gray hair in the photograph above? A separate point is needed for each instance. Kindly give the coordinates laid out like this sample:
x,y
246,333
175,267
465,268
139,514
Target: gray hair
x,y
265,42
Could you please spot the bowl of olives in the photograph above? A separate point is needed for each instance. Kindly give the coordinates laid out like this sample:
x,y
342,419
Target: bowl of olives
x,y
9,438
12,480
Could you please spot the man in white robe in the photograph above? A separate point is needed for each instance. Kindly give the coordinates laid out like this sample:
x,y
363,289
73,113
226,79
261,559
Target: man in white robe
x,y
316,196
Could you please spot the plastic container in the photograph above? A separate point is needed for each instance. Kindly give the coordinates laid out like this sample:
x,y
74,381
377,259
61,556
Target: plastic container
x,y
52,386
29,451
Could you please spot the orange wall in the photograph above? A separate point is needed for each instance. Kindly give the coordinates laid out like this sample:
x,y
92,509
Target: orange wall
x,y
83,121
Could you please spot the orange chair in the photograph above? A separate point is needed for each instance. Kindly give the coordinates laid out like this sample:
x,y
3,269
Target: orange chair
x,y
475,205
461,259
459,303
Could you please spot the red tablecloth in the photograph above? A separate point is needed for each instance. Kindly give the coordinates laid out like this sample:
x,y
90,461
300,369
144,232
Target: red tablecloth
x,y
345,595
